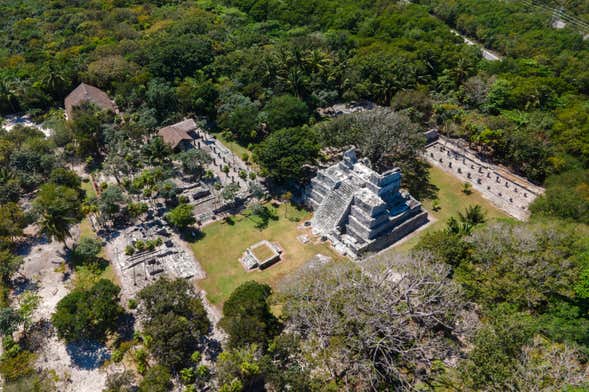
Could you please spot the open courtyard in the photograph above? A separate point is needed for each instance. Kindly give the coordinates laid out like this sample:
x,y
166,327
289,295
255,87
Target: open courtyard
x,y
222,244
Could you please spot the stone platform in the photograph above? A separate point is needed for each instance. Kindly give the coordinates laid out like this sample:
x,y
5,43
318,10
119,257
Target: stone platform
x,y
509,192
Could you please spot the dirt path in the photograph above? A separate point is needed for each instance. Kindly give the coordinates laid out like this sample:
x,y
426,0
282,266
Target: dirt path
x,y
44,270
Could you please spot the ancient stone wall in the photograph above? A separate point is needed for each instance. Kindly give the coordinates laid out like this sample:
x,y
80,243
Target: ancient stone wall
x,y
507,191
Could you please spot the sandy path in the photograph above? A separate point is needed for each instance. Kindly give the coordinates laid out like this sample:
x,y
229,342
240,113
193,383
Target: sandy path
x,y
42,268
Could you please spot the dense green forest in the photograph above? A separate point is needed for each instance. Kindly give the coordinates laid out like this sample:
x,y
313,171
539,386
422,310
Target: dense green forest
x,y
516,295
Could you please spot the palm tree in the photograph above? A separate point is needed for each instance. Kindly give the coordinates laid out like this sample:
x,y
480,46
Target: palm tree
x,y
473,215
56,227
53,81
58,207
8,97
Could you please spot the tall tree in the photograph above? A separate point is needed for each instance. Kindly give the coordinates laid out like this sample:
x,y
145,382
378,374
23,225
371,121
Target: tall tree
x,y
174,316
247,317
285,152
377,323
59,207
88,313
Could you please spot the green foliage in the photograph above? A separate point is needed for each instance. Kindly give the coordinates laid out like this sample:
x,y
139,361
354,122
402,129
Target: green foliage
x,y
119,382
9,264
90,313
175,319
239,369
65,177
566,197
167,189
111,201
193,161
10,319
247,318
87,127
497,346
181,216
59,207
239,115
285,111
86,250
156,379
17,365
283,154
137,209
229,192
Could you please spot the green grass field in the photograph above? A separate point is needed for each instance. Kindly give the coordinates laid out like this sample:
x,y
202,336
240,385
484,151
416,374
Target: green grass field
x,y
451,201
222,244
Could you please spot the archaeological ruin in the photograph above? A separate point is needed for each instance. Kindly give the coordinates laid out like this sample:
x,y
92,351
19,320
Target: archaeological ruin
x,y
359,210
261,255
507,191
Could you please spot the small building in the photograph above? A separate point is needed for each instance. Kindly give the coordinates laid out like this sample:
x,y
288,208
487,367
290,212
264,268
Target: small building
x,y
180,136
86,93
261,255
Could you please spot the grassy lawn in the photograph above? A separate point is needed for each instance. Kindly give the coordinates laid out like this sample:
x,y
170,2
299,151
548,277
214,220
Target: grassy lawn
x,y
451,201
262,252
85,226
223,244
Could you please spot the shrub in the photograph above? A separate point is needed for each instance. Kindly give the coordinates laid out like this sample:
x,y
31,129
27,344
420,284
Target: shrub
x,y
88,313
156,379
13,367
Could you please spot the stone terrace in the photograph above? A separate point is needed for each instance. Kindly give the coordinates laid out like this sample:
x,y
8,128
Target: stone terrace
x,y
360,210
509,192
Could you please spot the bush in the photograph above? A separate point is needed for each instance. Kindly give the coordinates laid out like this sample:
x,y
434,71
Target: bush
x,y
247,318
87,250
181,216
175,321
21,364
129,250
119,382
88,313
156,379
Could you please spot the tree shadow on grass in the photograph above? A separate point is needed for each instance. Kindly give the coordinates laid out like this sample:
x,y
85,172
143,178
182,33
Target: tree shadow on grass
x,y
417,180
87,354
192,235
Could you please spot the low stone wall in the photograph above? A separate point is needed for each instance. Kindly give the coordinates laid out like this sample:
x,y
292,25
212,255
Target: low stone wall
x,y
507,191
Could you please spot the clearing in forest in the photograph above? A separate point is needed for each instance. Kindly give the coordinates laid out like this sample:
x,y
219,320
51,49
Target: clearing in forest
x,y
222,244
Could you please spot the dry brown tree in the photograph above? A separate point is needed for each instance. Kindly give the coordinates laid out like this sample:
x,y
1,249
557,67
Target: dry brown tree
x,y
380,322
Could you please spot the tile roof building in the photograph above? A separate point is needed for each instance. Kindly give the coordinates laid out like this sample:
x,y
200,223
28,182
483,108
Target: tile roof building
x,y
179,135
86,93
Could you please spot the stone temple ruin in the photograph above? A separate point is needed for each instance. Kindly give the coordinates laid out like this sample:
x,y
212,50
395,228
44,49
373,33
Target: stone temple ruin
x,y
360,210
168,258
261,255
